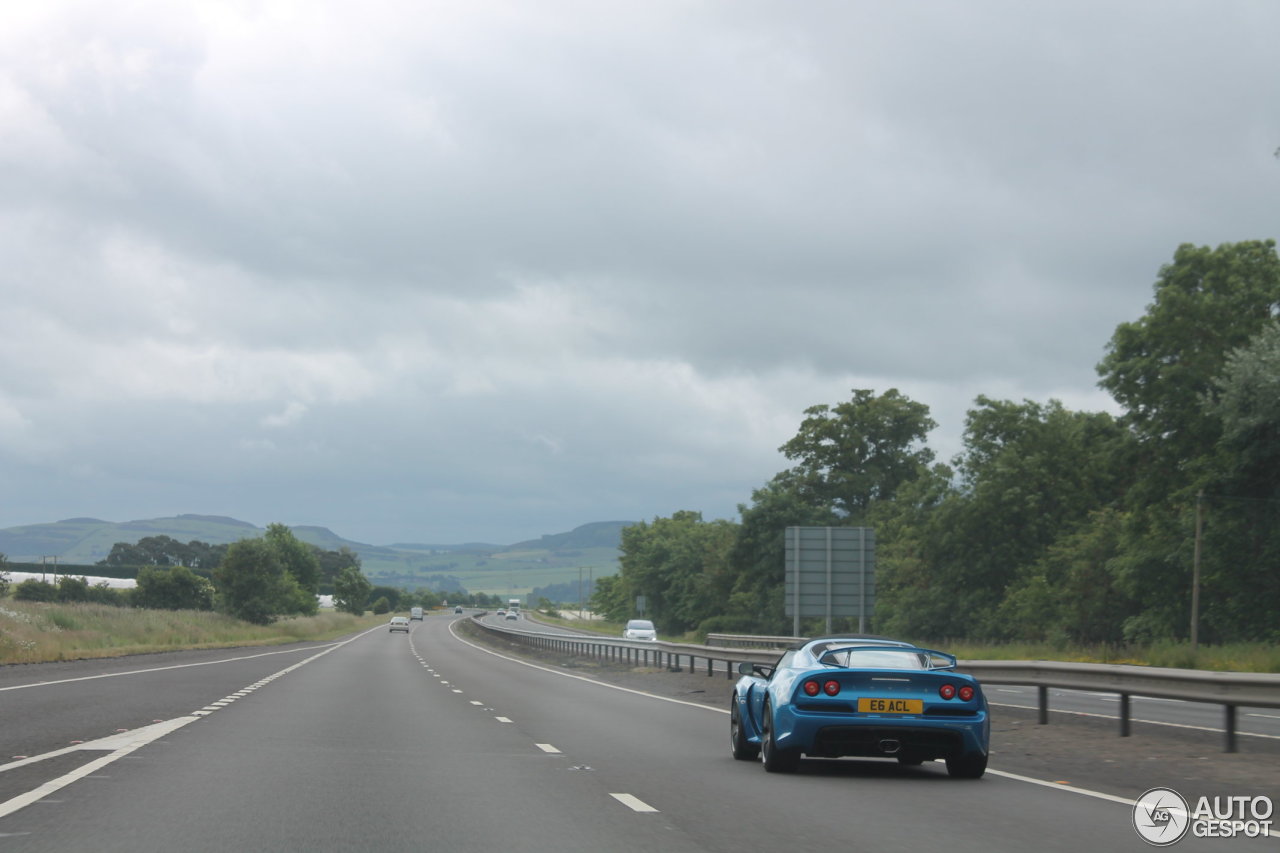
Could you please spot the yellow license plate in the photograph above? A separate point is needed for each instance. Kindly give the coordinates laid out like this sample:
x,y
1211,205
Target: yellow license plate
x,y
891,706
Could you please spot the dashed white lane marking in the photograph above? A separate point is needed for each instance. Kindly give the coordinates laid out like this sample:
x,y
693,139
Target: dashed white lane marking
x,y
476,702
546,747
634,803
503,719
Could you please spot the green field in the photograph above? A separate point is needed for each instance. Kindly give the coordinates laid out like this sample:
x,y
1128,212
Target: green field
x,y
497,572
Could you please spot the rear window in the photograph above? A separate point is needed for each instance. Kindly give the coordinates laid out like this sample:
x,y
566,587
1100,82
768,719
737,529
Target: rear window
x,y
877,658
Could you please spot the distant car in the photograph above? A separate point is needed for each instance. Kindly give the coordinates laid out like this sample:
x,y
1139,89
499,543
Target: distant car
x,y
458,609
511,615
860,696
399,623
639,629
502,613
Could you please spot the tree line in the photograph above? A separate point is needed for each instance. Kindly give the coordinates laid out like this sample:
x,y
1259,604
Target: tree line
x,y
1050,524
257,580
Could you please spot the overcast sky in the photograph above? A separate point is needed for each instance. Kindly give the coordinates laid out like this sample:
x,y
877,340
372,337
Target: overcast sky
x,y
440,272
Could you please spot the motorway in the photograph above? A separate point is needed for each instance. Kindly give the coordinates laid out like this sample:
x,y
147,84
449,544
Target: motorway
x,y
429,741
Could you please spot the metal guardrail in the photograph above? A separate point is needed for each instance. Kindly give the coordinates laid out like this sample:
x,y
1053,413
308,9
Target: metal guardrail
x,y
1231,690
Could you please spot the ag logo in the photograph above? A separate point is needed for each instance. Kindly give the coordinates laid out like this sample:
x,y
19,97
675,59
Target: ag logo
x,y
1161,816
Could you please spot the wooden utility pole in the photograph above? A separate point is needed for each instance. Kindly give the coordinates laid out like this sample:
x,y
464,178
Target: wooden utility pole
x,y
1195,574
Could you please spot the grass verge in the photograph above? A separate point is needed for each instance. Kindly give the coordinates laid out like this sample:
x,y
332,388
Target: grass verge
x,y
34,632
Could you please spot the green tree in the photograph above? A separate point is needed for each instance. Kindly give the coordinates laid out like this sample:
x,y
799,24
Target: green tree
x,y
949,553
390,593
176,588
679,564
755,603
253,585
299,560
351,590
1166,370
1241,496
859,451
1208,302
4,575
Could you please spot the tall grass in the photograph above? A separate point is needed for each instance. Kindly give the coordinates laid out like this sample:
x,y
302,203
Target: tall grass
x,y
36,632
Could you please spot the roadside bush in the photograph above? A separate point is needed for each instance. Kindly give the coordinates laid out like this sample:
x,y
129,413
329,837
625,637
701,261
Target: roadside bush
x,y
34,590
381,606
72,590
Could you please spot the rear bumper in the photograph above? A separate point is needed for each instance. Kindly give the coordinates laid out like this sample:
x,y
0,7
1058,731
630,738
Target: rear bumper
x,y
916,738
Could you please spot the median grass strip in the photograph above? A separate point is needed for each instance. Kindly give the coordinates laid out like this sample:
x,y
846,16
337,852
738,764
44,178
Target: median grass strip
x,y
35,632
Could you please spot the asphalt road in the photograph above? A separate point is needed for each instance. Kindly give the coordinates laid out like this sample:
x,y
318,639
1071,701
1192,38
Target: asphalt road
x,y
429,741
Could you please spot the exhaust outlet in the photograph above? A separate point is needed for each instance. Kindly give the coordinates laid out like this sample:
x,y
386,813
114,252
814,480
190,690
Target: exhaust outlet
x,y
890,746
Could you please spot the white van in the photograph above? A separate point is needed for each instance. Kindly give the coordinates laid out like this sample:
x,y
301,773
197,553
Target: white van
x,y
415,613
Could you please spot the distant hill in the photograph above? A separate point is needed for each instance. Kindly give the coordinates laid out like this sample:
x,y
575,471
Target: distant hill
x,y
478,567
600,534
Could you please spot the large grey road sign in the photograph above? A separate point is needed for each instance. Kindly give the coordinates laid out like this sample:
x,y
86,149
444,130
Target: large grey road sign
x,y
830,571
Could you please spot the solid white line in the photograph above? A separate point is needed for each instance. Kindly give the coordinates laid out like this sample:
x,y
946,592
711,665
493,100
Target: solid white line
x,y
156,669
1082,791
128,742
634,803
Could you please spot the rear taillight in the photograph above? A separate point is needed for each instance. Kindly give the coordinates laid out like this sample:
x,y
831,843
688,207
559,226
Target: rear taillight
x,y
811,688
947,691
966,693
831,688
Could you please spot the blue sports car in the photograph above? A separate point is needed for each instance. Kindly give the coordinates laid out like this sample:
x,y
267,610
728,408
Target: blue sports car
x,y
860,696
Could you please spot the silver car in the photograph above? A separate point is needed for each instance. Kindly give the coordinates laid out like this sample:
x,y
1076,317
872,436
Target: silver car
x,y
399,623
639,629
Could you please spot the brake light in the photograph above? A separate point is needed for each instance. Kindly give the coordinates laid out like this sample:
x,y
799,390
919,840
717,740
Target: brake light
x,y
966,693
947,691
831,688
811,688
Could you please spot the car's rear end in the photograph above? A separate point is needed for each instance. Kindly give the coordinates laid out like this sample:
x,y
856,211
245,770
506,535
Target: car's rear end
x,y
912,715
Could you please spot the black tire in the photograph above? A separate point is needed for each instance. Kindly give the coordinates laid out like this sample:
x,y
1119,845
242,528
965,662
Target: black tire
x,y
743,749
775,760
970,766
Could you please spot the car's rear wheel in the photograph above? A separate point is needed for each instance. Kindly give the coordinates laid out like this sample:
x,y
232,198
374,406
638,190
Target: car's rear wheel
x,y
775,760
743,749
970,766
